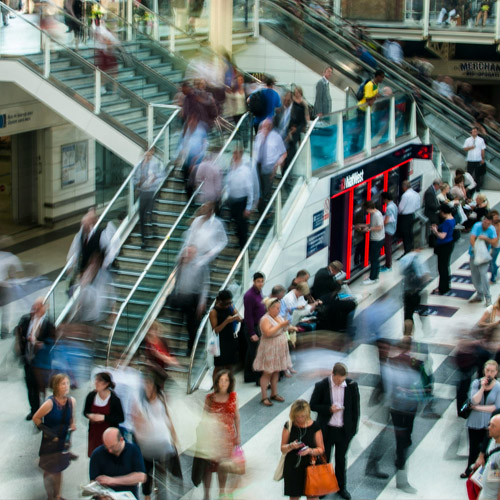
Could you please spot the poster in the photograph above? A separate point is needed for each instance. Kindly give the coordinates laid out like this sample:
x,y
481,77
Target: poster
x,y
74,163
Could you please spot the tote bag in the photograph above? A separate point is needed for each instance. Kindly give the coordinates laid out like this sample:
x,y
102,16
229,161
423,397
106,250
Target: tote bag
x,y
481,254
320,479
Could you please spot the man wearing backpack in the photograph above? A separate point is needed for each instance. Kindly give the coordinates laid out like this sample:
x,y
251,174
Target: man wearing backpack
x,y
366,95
263,102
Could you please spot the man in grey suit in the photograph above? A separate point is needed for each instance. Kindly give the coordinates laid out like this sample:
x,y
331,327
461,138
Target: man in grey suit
x,y
323,102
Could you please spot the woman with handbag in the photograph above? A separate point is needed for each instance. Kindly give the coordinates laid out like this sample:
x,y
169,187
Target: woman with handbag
x,y
103,408
444,247
273,355
155,435
485,399
55,418
224,319
301,439
223,405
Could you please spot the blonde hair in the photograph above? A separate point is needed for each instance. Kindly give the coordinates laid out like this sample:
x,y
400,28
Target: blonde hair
x,y
299,406
303,288
270,301
491,362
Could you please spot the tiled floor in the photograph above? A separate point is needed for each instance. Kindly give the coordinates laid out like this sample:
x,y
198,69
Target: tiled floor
x,y
437,455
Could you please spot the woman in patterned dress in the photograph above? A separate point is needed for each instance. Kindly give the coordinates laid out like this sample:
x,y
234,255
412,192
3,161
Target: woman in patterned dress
x,y
223,404
273,355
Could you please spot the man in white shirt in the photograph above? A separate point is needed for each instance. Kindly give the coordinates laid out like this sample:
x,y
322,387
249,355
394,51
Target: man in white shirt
x,y
491,475
377,236
475,147
269,154
409,204
240,191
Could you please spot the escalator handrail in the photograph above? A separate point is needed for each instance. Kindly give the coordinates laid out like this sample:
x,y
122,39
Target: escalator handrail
x,y
248,243
139,334
75,55
124,185
151,262
395,71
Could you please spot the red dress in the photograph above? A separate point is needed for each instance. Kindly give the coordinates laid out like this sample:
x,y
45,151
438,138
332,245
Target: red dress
x,y
97,428
226,413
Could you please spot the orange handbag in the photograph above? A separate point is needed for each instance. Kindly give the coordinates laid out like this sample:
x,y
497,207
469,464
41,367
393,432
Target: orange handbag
x,y
320,479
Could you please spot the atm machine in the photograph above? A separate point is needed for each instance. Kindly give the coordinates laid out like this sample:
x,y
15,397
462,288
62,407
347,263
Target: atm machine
x,y
348,192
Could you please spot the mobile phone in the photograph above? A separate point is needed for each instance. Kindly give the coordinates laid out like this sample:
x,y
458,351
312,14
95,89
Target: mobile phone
x,y
304,448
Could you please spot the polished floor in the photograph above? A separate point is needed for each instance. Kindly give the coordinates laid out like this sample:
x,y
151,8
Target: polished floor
x,y
439,449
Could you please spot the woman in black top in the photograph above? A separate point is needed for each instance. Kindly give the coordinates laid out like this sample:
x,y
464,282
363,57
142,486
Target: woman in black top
x,y
301,438
224,319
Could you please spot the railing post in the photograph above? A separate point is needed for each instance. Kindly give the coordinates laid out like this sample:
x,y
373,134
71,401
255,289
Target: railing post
x,y
46,55
413,119
497,22
439,163
392,121
256,9
156,28
246,270
427,136
130,14
131,201
166,145
368,131
277,215
426,18
308,160
340,139
172,31
97,102
151,111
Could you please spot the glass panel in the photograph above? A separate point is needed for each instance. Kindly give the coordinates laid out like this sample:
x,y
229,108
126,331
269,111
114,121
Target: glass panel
x,y
380,112
324,142
354,131
243,14
465,16
403,104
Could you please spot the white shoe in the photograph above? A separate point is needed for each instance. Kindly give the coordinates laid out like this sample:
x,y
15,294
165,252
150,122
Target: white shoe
x,y
369,281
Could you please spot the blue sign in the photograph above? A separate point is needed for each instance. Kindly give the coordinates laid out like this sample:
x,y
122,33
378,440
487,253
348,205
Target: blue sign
x,y
317,220
316,242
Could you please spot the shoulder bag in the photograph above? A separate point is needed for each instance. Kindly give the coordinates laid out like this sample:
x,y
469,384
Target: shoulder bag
x,y
320,478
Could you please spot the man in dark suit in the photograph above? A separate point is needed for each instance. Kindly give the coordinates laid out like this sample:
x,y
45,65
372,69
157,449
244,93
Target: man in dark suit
x,y
431,203
326,279
336,400
35,334
323,100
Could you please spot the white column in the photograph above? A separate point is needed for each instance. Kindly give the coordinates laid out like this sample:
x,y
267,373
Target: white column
x,y
368,131
392,121
97,102
46,54
129,19
497,22
256,9
425,18
221,25
340,139
337,7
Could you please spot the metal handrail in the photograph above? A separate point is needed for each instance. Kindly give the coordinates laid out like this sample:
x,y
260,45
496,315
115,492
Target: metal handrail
x,y
147,268
390,68
110,204
139,331
249,241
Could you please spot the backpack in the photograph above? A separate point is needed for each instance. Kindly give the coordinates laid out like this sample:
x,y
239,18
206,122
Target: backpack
x,y
361,91
257,104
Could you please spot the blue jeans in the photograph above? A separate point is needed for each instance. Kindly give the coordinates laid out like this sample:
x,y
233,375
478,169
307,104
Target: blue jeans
x,y
494,265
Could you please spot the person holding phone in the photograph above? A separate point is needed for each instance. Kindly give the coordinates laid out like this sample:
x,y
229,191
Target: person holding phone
x,y
224,319
273,355
301,438
485,399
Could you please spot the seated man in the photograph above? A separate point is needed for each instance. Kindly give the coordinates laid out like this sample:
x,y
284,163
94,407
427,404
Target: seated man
x,y
325,279
336,314
117,464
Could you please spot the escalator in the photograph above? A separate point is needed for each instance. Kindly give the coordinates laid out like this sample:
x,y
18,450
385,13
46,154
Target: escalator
x,y
316,43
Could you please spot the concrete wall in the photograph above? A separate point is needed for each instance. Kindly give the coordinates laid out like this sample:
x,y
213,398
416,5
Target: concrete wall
x,y
263,56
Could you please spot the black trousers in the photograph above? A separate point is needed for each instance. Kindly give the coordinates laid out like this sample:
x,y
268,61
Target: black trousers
x,y
405,227
237,209
32,386
443,253
146,201
249,374
266,189
189,306
336,437
476,437
411,302
403,427
374,255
